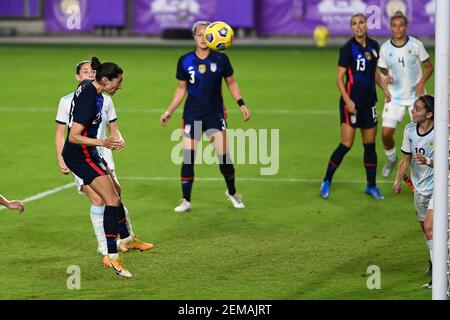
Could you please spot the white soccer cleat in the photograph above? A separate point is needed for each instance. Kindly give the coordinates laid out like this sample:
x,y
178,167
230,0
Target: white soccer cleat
x,y
235,200
117,266
184,206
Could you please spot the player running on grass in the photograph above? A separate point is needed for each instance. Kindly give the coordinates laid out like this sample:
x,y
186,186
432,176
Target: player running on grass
x,y
418,149
109,119
200,74
81,156
358,63
400,61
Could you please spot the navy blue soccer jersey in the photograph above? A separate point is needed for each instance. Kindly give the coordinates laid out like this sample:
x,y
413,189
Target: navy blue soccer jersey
x,y
361,65
86,109
204,83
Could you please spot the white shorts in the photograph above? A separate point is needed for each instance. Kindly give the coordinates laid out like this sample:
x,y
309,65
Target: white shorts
x,y
393,114
431,204
421,204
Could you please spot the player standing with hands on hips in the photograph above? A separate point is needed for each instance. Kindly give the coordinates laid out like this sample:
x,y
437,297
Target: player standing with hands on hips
x,y
400,61
358,63
199,74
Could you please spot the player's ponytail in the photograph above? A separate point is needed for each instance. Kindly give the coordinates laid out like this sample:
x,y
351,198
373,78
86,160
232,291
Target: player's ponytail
x,y
95,63
107,69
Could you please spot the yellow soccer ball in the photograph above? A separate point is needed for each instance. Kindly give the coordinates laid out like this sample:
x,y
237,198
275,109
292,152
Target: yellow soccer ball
x,y
320,35
219,36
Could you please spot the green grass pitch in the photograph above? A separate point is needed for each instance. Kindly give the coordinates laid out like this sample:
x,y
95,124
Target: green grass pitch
x,y
287,244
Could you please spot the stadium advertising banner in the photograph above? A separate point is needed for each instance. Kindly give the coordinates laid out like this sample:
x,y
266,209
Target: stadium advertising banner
x,y
83,15
300,17
154,16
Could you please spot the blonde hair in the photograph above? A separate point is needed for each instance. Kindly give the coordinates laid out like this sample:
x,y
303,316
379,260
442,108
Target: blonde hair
x,y
199,24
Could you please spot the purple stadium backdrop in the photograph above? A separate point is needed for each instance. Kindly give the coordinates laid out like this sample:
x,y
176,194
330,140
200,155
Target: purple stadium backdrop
x,y
300,17
19,8
83,15
153,16
267,17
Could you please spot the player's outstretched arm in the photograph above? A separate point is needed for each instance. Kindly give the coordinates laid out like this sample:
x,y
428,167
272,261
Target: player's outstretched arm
x,y
13,204
59,142
178,97
402,169
236,93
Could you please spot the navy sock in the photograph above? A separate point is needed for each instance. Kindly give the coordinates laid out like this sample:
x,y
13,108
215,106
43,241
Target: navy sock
x,y
122,223
370,163
335,160
187,173
111,228
227,170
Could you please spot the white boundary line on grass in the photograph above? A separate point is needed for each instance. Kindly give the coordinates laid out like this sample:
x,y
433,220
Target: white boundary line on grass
x,y
44,194
160,111
49,192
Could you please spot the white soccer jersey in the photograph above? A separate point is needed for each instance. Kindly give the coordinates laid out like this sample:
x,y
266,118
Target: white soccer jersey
x,y
404,65
108,116
413,142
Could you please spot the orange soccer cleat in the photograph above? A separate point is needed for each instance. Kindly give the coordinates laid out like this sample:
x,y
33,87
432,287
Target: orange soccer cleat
x,y
117,266
135,244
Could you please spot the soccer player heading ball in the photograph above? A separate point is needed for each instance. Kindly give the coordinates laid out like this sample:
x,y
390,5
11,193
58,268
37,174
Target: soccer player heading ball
x,y
200,74
358,63
82,158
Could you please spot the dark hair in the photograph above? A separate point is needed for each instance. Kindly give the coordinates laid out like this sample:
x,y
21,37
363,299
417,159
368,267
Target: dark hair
x,y
107,69
359,14
399,14
428,101
80,64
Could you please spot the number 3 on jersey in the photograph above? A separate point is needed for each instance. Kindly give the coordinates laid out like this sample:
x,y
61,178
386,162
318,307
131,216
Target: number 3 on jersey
x,y
192,74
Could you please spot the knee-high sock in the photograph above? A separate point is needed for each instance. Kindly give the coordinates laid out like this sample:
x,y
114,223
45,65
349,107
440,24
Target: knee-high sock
x,y
370,163
335,160
96,214
187,173
227,170
111,227
122,223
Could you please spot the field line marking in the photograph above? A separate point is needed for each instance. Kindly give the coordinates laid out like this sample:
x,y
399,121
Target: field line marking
x,y
49,192
291,180
46,193
126,110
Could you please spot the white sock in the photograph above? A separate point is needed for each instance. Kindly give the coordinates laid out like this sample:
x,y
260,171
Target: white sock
x,y
391,154
129,227
113,255
96,214
127,239
430,248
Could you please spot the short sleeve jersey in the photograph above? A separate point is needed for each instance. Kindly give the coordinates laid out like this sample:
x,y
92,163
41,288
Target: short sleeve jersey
x,y
86,109
361,64
204,83
414,142
404,65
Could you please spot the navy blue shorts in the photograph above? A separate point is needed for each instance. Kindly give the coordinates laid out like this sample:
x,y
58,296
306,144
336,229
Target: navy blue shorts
x,y
365,118
89,168
194,128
